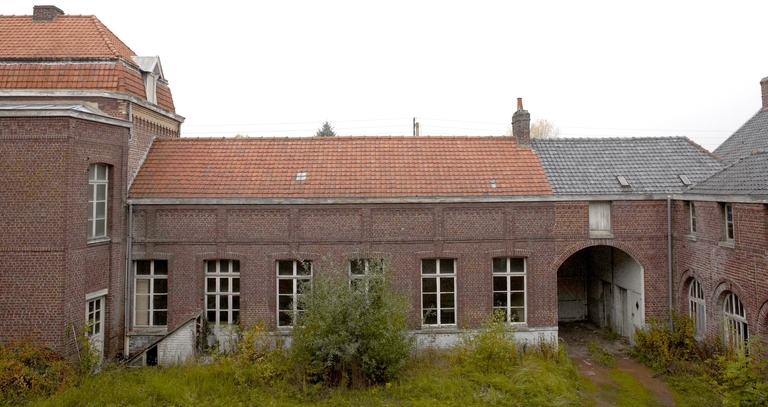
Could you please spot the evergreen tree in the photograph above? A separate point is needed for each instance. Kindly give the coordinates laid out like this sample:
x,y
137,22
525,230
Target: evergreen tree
x,y
326,130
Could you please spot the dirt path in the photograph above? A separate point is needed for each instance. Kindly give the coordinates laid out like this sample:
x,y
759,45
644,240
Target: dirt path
x,y
628,383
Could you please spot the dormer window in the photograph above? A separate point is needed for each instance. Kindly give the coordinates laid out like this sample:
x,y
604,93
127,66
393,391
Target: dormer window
x,y
150,86
151,72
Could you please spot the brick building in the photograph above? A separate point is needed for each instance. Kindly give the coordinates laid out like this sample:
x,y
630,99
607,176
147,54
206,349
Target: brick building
x,y
110,205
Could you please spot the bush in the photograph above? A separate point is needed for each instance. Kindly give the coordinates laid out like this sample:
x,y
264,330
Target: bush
x,y
352,334
258,357
744,379
30,370
489,349
658,345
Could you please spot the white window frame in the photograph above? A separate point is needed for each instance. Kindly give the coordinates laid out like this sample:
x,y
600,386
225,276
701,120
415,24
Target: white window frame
x,y
94,317
692,216
730,228
222,292
697,308
292,282
736,329
503,294
440,311
154,296
98,195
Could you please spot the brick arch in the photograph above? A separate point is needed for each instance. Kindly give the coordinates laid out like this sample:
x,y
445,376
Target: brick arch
x,y
723,286
581,246
762,321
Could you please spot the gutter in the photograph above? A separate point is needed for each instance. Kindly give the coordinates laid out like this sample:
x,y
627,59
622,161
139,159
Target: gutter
x,y
128,263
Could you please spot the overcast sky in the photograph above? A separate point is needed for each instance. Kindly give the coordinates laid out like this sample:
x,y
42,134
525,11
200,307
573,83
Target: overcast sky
x,y
281,68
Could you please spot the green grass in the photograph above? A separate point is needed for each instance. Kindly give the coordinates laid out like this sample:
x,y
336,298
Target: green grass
x,y
600,355
430,378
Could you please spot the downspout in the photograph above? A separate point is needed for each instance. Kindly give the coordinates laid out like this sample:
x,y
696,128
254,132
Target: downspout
x,y
127,293
669,256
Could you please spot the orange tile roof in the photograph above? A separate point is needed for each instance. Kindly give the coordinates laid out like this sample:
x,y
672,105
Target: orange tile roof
x,y
398,166
77,37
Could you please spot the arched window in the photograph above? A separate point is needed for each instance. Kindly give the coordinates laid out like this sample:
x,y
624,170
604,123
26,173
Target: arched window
x,y
697,308
734,322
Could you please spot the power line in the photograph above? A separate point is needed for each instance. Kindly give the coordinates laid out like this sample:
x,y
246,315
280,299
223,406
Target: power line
x,y
291,123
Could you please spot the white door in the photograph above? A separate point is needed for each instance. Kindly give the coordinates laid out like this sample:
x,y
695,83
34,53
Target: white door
x,y
94,317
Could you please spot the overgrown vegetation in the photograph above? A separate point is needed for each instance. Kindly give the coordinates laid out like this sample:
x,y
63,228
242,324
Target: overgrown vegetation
x,y
352,333
600,355
28,371
704,373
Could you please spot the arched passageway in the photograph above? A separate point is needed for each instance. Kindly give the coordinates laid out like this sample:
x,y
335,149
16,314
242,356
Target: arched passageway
x,y
603,285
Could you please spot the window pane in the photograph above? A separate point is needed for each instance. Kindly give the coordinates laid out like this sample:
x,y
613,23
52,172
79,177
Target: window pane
x,y
429,266
211,287
285,287
447,300
500,265
357,267
301,286
91,172
101,208
448,317
142,267
235,285
235,266
429,285
142,286
284,318
100,229
142,303
211,315
446,266
210,302
516,315
304,268
430,317
499,284
429,301
90,211
284,302
517,299
235,317
160,302
101,192
223,302
211,267
285,268
160,286
90,228
142,317
161,267
160,318
517,283
235,302
101,172
499,299
446,285
223,317
224,285
517,265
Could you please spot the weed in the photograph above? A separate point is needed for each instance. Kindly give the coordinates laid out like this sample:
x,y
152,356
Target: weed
x,y
30,370
600,355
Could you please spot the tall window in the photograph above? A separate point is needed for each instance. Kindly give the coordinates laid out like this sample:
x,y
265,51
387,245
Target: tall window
x,y
97,200
151,282
734,322
692,213
292,278
697,308
222,291
728,222
438,291
509,288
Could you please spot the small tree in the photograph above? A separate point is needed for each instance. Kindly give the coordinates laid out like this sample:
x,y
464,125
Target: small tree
x,y
541,128
326,130
352,333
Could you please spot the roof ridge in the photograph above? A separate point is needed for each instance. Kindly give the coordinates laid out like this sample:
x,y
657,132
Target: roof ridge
x,y
702,148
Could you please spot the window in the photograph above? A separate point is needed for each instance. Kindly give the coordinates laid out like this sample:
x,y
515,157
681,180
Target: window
x,y
222,291
438,291
97,200
509,288
692,213
600,220
697,308
94,317
728,212
151,305
292,278
734,322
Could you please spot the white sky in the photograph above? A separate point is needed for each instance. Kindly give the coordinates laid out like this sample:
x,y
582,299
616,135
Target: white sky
x,y
594,68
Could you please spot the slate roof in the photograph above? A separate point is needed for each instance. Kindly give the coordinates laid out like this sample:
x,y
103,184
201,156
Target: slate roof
x,y
650,165
70,52
747,176
363,167
751,137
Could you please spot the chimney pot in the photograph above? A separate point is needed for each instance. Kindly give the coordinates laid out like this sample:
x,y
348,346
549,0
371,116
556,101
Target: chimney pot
x,y
46,13
764,91
521,125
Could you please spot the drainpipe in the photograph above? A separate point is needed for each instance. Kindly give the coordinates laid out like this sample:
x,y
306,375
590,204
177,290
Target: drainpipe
x,y
127,293
669,255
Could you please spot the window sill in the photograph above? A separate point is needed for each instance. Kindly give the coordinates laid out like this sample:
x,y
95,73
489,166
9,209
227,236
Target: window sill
x,y
98,240
726,243
690,237
600,234
150,330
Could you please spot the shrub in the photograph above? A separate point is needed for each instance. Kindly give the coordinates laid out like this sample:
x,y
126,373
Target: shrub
x,y
745,376
489,349
259,357
658,345
30,370
352,334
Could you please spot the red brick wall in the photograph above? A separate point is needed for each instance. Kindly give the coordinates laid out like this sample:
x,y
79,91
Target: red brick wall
x,y
545,233
741,267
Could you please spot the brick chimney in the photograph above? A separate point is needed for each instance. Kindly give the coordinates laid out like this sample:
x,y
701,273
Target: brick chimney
x,y
521,125
764,91
46,13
